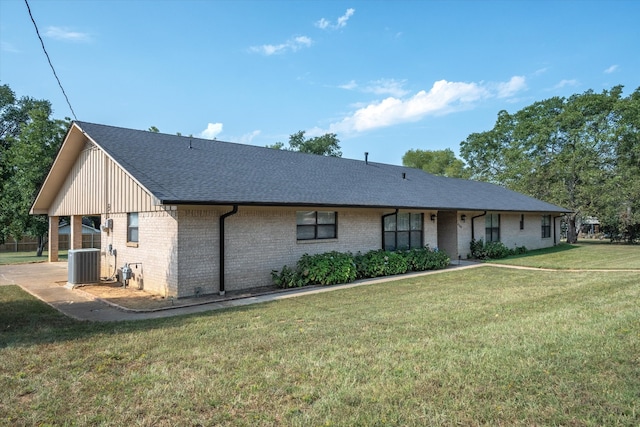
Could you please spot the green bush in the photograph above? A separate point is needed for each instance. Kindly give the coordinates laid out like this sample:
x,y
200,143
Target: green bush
x,y
426,259
335,267
493,250
371,264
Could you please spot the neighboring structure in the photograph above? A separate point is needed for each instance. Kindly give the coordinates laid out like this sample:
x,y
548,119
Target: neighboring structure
x,y
90,239
194,216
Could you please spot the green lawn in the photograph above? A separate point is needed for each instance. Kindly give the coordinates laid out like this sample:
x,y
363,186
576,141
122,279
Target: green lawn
x,y
26,257
588,255
483,346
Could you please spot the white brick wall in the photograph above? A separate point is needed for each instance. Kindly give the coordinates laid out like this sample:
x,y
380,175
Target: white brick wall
x,y
510,233
155,254
178,250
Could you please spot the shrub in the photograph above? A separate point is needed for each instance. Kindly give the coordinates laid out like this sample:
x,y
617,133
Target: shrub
x,y
328,268
371,264
493,250
334,267
286,278
423,259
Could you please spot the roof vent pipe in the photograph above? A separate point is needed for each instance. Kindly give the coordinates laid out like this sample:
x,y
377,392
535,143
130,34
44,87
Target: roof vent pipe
x,y
404,175
366,158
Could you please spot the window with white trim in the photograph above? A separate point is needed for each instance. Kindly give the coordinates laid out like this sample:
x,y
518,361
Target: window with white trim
x,y
132,227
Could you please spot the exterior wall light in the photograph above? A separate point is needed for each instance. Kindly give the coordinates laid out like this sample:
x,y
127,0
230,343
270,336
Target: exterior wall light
x,y
463,217
433,217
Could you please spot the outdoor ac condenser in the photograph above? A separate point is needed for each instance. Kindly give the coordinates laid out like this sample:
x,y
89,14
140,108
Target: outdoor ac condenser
x,y
84,266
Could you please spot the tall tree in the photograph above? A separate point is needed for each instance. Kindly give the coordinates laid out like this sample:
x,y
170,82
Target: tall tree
x,y
28,150
437,162
562,150
325,145
618,203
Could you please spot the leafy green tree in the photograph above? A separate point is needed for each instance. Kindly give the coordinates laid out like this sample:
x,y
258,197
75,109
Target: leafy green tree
x,y
154,129
618,203
325,145
30,142
562,150
437,162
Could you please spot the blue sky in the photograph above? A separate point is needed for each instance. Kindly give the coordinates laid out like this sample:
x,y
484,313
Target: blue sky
x,y
385,76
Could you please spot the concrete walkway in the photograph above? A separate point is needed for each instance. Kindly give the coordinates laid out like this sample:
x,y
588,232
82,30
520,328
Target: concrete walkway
x,y
46,281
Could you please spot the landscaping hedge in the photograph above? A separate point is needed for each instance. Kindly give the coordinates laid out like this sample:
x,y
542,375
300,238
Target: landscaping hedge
x,y
332,268
493,250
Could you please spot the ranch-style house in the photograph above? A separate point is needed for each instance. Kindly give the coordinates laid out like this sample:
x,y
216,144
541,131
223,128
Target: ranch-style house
x,y
196,216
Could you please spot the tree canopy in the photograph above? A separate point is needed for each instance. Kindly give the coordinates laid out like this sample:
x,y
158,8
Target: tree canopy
x,y
437,162
29,141
579,152
325,145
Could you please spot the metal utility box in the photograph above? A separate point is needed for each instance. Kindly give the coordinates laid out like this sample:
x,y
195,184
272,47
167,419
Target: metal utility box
x,y
84,266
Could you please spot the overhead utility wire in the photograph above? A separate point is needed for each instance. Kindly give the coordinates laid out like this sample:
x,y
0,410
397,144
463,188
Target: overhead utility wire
x,y
49,59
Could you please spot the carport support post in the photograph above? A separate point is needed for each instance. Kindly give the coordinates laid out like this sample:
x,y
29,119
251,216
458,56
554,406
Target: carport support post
x,y
75,242
53,238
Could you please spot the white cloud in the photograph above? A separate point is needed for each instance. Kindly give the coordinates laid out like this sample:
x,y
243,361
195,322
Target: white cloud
x,y
341,22
212,131
565,83
510,88
61,33
378,87
293,45
386,87
444,97
611,69
322,24
349,86
248,137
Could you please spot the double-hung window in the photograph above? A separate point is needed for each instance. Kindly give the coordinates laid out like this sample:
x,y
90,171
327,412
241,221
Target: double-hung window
x,y
316,225
402,231
492,228
546,226
132,227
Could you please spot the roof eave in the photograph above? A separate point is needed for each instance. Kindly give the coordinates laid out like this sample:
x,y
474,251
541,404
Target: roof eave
x,y
167,202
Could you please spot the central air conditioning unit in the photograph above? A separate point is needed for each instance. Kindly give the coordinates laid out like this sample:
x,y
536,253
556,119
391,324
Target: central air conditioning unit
x,y
84,266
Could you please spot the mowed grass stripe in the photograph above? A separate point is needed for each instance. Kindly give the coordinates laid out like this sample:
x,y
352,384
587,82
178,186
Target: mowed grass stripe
x,y
484,346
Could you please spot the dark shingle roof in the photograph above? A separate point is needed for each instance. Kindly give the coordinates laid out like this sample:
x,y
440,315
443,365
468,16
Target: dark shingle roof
x,y
215,172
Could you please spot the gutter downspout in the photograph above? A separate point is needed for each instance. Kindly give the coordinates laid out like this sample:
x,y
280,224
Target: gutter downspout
x,y
473,232
383,217
222,218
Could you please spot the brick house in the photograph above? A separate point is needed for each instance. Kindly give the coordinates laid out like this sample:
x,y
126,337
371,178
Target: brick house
x,y
197,216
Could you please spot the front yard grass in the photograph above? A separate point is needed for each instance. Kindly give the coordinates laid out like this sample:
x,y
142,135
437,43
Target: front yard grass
x,y
585,255
26,257
482,346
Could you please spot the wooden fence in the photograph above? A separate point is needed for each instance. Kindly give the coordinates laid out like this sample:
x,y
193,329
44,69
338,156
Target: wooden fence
x,y
31,245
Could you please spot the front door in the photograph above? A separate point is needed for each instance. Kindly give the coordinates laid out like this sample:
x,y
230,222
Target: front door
x,y
448,233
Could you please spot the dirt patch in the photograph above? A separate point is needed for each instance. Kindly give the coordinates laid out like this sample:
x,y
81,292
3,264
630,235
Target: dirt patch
x,y
132,298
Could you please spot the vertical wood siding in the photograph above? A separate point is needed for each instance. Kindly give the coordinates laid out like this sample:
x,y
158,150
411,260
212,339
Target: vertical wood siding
x,y
96,185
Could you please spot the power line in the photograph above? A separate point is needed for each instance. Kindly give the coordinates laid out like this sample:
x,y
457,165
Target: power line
x,y
49,60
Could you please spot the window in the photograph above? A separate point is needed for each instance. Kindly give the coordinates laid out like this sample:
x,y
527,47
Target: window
x,y
132,227
546,226
402,231
316,225
492,228
521,221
